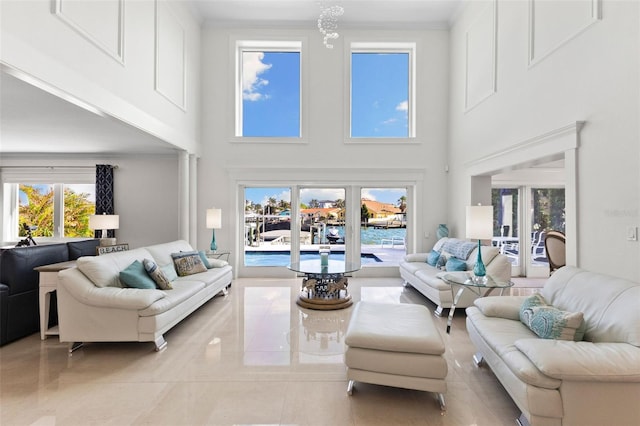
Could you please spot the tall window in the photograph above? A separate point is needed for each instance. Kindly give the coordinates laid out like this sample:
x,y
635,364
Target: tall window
x,y
268,94
382,101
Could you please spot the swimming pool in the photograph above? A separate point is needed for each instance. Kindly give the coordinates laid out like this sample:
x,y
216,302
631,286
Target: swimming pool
x,y
283,258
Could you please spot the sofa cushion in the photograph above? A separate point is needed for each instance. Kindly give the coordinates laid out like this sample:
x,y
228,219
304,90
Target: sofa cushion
x,y
188,263
577,290
182,290
136,276
433,257
156,274
216,263
104,271
161,253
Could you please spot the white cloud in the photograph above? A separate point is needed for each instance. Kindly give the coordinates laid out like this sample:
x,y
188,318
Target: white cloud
x,y
252,67
390,121
403,106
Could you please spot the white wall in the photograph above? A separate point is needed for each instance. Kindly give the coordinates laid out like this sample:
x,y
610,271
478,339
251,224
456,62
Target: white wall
x,y
145,192
592,77
108,59
325,154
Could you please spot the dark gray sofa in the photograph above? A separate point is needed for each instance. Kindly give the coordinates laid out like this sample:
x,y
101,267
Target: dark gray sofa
x,y
19,284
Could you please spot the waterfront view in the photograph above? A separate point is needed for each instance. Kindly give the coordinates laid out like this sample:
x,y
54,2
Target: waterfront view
x,y
323,213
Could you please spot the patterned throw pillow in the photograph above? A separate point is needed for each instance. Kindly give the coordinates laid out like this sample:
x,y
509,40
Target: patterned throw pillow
x,y
552,323
188,263
432,258
156,274
530,302
135,276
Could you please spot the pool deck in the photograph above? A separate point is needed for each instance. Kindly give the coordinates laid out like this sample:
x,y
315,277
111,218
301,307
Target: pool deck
x,y
388,254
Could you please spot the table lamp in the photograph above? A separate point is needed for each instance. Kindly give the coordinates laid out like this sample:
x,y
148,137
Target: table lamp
x,y
104,222
480,227
214,221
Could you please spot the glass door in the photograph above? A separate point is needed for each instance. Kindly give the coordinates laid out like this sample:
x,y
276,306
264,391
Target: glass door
x,y
267,226
323,213
383,226
506,229
547,207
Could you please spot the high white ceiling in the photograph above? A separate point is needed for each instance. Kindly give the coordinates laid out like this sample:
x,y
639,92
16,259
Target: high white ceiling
x,y
35,121
357,13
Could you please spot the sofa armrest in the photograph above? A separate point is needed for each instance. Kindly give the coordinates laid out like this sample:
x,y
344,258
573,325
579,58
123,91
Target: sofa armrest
x,y
501,307
84,291
416,257
583,361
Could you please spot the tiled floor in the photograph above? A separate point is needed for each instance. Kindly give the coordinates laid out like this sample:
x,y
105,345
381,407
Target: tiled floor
x,y
252,357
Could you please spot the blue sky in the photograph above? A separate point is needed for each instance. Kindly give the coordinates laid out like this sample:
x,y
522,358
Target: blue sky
x,y
271,93
261,195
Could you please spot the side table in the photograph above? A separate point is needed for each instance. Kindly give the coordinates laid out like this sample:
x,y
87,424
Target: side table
x,y
48,284
465,281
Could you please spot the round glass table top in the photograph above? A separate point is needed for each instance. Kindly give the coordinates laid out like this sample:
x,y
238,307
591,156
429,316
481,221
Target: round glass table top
x,y
466,278
332,267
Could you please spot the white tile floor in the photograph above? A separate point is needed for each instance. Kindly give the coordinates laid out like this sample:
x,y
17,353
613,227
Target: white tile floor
x,y
252,357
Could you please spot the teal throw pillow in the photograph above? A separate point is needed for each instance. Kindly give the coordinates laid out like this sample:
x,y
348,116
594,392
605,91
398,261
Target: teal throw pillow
x,y
552,323
170,272
205,260
156,274
136,276
432,258
442,261
530,302
455,264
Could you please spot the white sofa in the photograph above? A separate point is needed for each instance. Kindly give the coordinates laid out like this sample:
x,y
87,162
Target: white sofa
x,y
415,271
595,381
93,306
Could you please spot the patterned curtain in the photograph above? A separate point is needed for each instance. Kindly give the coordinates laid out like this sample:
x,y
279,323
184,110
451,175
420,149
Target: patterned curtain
x,y
104,194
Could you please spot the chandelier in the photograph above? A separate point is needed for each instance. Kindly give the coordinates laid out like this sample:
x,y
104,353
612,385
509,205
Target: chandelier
x,y
328,23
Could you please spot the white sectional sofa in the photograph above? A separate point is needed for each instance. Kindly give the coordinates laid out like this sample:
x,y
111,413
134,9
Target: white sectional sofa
x,y
426,278
93,306
594,381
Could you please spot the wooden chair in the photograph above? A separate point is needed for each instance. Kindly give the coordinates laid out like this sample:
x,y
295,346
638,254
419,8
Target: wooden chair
x,y
554,244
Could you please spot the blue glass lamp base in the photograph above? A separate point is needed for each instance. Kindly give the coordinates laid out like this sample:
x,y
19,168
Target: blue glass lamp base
x,y
214,246
479,271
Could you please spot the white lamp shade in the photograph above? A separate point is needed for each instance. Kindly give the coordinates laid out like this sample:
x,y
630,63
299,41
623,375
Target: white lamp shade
x,y
479,222
214,218
104,221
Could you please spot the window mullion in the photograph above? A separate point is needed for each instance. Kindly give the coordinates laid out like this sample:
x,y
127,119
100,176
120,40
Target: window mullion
x,y
58,210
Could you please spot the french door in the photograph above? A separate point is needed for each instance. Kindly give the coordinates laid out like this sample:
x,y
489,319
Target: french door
x,y
284,224
522,217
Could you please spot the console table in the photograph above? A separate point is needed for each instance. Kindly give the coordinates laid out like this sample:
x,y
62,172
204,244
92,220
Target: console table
x,y
324,287
48,284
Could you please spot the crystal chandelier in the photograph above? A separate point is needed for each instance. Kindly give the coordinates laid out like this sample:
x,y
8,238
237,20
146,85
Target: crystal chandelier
x,y
328,23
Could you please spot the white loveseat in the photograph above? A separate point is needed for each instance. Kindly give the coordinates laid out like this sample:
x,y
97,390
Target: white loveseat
x,y
93,306
426,278
595,381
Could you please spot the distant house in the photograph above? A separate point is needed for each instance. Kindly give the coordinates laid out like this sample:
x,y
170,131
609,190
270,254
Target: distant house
x,y
315,214
379,210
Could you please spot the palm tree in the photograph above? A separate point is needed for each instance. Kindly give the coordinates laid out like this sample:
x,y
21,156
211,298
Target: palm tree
x,y
402,203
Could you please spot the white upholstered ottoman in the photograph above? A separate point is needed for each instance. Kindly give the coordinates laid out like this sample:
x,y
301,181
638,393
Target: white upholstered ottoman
x,y
395,345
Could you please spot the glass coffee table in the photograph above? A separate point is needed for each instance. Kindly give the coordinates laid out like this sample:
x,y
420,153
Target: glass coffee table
x,y
324,287
465,281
